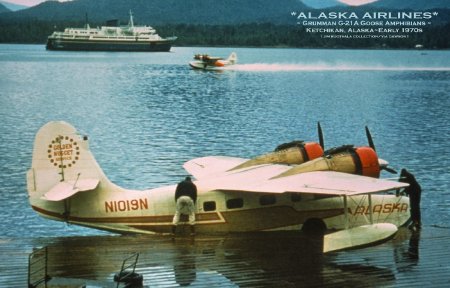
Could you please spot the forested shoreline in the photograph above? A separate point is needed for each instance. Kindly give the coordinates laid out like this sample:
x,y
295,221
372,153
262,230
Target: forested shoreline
x,y
239,35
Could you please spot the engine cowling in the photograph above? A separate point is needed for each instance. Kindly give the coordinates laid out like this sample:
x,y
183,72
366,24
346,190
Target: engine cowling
x,y
346,159
293,153
219,63
369,165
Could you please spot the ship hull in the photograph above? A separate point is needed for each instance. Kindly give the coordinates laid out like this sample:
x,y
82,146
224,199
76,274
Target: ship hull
x,y
110,45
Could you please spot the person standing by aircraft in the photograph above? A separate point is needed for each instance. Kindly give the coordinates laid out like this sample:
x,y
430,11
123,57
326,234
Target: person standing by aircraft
x,y
185,198
413,191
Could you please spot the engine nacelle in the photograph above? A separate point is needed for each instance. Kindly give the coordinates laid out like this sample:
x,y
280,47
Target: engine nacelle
x,y
296,152
346,159
219,63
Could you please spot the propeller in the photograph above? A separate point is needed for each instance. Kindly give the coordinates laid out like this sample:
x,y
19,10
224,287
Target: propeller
x,y
319,130
383,163
369,139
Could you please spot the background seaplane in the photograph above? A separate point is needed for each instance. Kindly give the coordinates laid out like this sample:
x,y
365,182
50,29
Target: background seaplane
x,y
295,187
207,62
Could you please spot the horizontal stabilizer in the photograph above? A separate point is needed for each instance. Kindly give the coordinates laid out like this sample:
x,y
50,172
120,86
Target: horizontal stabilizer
x,y
211,165
66,189
365,235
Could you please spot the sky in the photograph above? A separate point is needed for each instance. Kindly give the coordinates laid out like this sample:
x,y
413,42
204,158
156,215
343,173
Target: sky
x,y
35,2
26,2
356,2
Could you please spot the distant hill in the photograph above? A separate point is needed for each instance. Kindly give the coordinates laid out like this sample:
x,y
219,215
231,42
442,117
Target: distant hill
x,y
202,12
249,23
11,6
158,12
3,8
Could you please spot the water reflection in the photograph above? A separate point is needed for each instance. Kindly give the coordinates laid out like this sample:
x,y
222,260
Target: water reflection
x,y
259,259
407,255
413,249
184,268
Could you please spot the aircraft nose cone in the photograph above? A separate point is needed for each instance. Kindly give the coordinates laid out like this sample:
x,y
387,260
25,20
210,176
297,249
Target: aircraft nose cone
x,y
382,162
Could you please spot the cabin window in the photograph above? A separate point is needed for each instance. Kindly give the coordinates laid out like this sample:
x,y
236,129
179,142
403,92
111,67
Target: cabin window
x,y
267,200
295,197
235,203
209,206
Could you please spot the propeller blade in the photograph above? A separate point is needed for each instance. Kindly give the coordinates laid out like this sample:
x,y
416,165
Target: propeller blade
x,y
390,170
384,166
321,142
369,139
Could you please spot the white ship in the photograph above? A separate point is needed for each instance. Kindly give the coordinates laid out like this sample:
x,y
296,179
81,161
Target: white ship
x,y
110,38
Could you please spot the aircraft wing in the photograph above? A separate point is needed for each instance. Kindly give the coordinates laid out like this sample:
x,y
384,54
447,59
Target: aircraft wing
x,y
65,189
204,167
259,180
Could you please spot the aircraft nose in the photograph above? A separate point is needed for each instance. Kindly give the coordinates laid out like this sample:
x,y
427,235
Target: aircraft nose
x,y
382,162
384,166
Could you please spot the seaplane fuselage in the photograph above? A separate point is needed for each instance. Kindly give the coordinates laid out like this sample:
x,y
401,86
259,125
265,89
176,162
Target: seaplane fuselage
x,y
151,211
65,183
206,62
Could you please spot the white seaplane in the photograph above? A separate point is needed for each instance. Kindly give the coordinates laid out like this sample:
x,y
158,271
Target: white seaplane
x,y
206,62
296,187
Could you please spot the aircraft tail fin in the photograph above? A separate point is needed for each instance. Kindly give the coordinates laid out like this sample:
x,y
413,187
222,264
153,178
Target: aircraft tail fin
x,y
232,58
62,164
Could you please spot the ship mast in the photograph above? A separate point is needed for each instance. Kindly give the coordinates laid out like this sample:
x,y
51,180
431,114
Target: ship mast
x,y
131,24
86,20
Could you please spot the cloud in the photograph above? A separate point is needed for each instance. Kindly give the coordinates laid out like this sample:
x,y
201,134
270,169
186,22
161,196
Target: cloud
x,y
356,2
29,3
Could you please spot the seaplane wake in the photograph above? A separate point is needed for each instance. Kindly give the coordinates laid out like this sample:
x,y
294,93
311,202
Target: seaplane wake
x,y
286,67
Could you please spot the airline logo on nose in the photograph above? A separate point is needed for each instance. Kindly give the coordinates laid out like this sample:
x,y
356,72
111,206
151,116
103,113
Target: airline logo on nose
x,y
63,152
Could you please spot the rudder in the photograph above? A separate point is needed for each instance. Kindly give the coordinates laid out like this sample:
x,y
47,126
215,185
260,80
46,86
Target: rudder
x,y
232,58
60,154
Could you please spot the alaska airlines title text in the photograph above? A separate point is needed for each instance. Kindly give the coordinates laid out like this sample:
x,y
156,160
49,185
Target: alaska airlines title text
x,y
354,25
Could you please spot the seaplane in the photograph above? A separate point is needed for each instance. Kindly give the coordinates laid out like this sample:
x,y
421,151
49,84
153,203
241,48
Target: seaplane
x,y
337,193
206,62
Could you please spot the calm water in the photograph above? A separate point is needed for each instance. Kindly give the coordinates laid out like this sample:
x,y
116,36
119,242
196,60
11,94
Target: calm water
x,y
148,113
